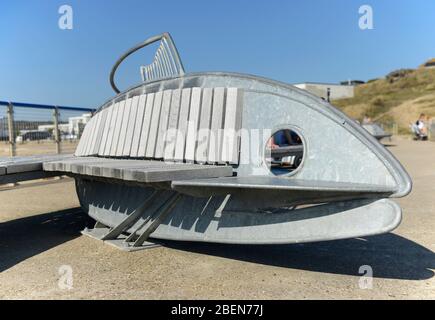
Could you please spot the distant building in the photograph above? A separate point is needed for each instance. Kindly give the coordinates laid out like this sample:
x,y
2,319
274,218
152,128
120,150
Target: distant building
x,y
72,129
336,91
429,64
63,127
77,124
351,82
4,133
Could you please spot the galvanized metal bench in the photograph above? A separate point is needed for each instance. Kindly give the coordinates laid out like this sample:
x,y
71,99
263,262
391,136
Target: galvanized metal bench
x,y
189,157
376,130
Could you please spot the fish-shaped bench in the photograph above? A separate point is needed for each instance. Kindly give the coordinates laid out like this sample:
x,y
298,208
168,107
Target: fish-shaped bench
x,y
228,158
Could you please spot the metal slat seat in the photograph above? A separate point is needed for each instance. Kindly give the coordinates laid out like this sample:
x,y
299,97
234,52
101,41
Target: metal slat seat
x,y
18,169
142,171
10,165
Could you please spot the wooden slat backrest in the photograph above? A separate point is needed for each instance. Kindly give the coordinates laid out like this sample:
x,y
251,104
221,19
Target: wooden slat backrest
x,y
182,125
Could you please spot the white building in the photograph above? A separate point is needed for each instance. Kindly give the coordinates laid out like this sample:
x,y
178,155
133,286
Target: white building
x,y
429,64
63,127
76,124
72,129
337,91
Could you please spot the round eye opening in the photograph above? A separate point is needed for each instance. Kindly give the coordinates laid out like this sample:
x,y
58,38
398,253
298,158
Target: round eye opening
x,y
284,152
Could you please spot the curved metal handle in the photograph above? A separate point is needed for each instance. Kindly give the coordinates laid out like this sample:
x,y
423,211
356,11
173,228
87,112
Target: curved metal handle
x,y
166,36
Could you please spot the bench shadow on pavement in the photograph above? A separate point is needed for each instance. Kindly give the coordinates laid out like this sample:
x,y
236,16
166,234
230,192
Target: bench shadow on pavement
x,y
390,256
25,237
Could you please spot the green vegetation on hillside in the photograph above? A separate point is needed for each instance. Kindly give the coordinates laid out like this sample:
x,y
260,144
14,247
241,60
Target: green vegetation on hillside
x,y
399,98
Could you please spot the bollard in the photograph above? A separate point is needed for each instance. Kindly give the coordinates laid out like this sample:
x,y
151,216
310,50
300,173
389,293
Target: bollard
x,y
11,129
56,130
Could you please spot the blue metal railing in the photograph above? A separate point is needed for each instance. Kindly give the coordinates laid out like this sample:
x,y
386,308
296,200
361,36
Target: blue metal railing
x,y
44,106
17,118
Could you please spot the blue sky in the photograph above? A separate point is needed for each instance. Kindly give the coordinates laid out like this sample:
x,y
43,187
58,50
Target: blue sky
x,y
290,41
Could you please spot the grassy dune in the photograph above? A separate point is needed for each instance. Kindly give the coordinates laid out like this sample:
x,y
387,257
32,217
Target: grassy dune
x,y
394,99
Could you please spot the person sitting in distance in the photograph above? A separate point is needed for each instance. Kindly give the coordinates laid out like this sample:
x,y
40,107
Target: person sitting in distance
x,y
366,119
421,124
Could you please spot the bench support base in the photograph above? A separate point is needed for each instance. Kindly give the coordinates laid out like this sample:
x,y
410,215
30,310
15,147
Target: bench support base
x,y
100,231
142,213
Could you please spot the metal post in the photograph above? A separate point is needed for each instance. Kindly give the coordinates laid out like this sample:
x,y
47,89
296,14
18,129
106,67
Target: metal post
x,y
11,129
56,130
